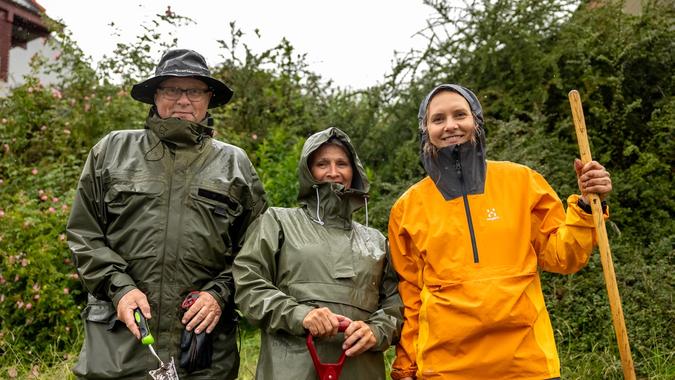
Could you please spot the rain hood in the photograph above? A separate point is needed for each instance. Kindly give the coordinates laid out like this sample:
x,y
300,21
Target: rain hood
x,y
459,163
330,203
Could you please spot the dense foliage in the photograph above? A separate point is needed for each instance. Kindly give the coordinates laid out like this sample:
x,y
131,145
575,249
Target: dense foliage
x,y
521,58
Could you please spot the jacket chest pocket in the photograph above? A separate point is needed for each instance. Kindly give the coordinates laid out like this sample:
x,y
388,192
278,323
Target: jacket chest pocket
x,y
132,206
210,225
128,195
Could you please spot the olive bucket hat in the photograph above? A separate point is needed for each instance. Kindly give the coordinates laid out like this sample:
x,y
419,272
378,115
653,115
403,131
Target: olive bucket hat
x,y
182,63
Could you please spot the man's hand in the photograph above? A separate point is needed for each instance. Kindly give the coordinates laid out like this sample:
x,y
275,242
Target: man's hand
x,y
203,315
358,338
321,322
125,310
592,178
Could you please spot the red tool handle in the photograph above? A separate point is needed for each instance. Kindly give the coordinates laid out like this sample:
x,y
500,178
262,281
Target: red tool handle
x,y
327,371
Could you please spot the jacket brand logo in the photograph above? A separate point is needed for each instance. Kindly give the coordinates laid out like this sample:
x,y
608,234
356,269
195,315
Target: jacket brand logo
x,y
492,214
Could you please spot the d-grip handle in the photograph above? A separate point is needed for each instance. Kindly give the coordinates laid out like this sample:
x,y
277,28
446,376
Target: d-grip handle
x,y
327,371
342,325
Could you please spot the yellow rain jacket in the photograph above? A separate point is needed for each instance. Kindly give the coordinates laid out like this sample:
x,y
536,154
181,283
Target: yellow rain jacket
x,y
467,242
475,309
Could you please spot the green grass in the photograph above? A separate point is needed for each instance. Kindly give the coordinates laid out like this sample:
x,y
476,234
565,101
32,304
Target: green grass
x,y
248,351
40,370
607,365
44,365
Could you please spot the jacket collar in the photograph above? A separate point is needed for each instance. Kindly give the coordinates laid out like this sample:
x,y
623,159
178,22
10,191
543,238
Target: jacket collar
x,y
458,169
176,132
332,205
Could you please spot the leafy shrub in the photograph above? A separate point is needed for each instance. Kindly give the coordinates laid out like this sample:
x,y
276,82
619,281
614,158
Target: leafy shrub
x,y
40,296
278,158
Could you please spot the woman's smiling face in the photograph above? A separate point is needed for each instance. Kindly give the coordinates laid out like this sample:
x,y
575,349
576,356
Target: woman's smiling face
x,y
330,163
449,120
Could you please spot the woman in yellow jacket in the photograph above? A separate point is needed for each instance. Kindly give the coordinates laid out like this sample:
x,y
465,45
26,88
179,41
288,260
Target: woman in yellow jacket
x,y
467,242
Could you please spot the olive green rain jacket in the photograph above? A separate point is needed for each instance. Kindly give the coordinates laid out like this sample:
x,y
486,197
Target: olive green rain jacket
x,y
164,216
297,259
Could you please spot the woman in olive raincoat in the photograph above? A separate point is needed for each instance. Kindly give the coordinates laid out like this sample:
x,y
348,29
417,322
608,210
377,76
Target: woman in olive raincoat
x,y
309,268
468,241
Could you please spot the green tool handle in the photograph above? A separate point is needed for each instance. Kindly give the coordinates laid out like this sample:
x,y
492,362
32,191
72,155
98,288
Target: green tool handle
x,y
146,335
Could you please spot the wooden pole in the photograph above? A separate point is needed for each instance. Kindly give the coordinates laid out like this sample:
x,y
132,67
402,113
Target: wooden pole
x,y
603,244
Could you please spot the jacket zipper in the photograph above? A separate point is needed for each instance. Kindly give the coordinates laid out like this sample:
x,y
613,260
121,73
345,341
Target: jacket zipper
x,y
467,209
166,232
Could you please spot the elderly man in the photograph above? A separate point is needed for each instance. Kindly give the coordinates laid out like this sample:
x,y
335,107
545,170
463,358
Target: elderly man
x,y
158,216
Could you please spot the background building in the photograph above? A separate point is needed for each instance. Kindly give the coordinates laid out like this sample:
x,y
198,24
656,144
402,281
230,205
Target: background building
x,y
23,33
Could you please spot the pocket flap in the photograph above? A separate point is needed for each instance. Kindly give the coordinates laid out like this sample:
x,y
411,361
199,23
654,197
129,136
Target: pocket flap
x,y
221,202
100,311
140,187
364,299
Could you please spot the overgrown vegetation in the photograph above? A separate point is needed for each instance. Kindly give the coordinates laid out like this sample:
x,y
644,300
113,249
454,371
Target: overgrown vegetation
x,y
521,57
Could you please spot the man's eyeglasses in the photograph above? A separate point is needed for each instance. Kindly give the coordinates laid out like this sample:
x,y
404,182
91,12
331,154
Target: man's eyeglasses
x,y
174,93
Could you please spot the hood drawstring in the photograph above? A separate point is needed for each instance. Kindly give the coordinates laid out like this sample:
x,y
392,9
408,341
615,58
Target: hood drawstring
x,y
365,198
318,218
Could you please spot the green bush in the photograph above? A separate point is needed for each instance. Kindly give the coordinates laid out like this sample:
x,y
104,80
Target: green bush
x,y
278,157
40,296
